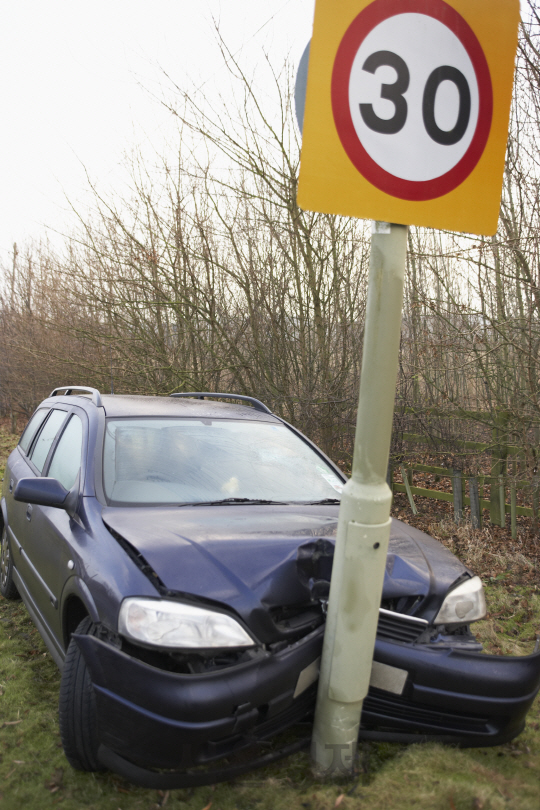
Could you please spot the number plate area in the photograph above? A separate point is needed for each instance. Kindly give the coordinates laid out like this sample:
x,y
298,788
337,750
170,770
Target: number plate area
x,y
390,679
383,676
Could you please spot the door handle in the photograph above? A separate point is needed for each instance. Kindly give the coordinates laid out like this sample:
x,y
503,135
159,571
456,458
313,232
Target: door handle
x,y
29,510
11,485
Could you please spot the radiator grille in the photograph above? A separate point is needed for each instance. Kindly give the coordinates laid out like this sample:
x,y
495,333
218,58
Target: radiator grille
x,y
399,627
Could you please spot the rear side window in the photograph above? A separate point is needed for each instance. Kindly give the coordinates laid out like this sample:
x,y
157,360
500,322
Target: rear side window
x,y
44,441
32,428
66,460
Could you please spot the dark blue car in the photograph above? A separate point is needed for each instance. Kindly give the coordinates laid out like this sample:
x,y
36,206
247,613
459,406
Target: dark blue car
x,y
175,553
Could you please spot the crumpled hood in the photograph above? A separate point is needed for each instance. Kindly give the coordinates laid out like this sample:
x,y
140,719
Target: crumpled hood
x,y
245,556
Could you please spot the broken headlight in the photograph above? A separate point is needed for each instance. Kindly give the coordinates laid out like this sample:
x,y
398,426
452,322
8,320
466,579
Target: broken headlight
x,y
162,623
464,604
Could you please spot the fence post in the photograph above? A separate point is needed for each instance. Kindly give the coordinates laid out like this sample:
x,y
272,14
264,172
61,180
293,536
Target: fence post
x,y
390,476
408,489
535,500
476,517
502,502
499,453
513,503
457,491
481,480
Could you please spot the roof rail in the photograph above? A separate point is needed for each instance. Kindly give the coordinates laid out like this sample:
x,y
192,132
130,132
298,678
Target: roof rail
x,y
257,404
68,389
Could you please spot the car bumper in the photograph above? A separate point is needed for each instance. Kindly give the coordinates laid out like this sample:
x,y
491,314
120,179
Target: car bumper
x,y
456,696
167,720
149,718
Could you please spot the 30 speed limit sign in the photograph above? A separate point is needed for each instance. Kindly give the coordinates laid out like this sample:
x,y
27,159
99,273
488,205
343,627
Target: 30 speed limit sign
x,y
407,109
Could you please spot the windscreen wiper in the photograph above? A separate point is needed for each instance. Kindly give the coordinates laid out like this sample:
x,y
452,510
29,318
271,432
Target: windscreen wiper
x,y
234,501
324,501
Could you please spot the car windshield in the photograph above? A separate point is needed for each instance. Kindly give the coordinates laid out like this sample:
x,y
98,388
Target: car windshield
x,y
178,461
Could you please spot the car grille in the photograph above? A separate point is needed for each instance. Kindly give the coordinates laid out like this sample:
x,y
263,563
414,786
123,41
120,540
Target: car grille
x,y
295,621
399,626
392,712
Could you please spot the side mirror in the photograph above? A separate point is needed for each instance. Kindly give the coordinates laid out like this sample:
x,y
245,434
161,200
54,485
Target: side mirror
x,y
41,491
49,492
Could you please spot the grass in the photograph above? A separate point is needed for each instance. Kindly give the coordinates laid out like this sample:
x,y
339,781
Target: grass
x,y
34,774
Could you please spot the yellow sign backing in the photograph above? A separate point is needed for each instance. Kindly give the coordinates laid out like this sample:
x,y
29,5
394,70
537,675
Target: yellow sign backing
x,y
407,107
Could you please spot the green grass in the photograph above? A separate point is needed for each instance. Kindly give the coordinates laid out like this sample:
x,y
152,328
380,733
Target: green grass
x,y
35,775
512,624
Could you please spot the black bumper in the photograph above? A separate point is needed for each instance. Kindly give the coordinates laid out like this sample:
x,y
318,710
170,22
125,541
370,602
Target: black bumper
x,y
466,698
165,720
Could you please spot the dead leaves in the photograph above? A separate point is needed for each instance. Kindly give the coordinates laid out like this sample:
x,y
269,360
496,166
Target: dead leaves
x,y
162,801
56,781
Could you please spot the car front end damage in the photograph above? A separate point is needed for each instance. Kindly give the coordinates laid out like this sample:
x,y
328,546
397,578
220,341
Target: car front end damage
x,y
173,718
156,725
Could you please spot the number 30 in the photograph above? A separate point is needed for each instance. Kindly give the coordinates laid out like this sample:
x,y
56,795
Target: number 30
x,y
395,93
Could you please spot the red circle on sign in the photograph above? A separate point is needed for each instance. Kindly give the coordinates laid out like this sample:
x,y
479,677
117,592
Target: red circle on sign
x,y
374,14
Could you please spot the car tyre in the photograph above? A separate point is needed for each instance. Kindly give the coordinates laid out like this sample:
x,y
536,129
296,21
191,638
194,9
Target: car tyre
x,y
77,709
8,589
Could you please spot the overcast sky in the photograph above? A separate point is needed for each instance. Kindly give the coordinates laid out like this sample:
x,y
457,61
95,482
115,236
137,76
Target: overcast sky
x,y
77,81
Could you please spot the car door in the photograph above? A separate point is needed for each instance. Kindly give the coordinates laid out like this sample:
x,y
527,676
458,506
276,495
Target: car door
x,y
27,462
49,543
17,468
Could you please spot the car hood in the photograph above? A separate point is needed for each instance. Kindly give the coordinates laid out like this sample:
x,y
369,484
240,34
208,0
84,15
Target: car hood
x,y
245,556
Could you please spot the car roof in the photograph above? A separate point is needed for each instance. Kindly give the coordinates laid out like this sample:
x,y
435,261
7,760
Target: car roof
x,y
120,405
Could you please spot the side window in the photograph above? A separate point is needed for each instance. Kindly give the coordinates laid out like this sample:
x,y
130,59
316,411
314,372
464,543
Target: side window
x,y
32,428
45,439
66,460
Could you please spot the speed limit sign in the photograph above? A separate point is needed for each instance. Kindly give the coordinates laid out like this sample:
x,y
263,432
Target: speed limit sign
x,y
407,110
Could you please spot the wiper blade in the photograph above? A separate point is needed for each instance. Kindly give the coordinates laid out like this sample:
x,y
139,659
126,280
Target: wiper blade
x,y
234,501
324,501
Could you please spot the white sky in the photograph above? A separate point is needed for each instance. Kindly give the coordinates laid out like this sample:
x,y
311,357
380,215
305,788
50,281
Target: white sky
x,y
76,84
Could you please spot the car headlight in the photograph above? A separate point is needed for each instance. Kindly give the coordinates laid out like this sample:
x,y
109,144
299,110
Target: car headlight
x,y
161,623
466,603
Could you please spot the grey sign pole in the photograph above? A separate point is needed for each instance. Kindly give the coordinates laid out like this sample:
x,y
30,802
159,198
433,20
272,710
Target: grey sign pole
x,y
364,518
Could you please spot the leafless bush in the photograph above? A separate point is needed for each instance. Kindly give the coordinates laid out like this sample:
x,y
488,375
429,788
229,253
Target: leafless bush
x,y
210,277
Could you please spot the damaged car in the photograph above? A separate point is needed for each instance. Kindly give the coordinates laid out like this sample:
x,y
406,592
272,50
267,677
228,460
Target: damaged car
x,y
175,555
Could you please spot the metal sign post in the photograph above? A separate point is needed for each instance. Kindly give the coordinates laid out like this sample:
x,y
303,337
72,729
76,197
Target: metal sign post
x,y
364,522
406,119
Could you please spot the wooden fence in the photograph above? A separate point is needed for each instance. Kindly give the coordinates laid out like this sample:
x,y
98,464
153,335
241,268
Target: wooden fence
x,y
503,488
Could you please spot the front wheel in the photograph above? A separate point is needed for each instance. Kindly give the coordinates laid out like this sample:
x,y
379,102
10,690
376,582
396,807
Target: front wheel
x,y
77,710
8,589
